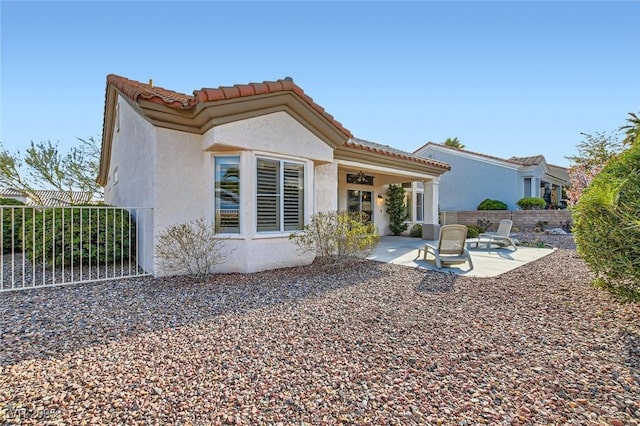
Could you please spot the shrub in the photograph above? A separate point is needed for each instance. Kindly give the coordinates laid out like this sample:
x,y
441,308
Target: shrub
x,y
396,209
489,204
191,248
338,236
91,235
539,227
606,226
12,219
416,231
566,226
483,225
531,203
473,231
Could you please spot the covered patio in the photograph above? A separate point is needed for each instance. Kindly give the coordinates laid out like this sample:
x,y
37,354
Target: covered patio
x,y
365,170
487,262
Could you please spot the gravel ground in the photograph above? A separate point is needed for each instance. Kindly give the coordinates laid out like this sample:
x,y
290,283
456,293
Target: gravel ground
x,y
371,344
18,271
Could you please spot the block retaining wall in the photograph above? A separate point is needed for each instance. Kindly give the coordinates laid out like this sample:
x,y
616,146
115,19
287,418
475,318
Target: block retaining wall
x,y
522,219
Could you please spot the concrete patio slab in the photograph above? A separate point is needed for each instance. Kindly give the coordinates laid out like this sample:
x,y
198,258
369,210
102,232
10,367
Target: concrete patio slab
x,y
487,262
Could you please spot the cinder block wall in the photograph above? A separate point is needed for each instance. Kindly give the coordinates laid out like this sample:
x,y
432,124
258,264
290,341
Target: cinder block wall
x,y
522,219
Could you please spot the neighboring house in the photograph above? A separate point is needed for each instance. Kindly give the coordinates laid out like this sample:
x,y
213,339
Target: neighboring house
x,y
257,159
475,177
13,194
48,198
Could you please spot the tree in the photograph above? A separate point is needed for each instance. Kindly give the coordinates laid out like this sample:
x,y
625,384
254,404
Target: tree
x,y
593,154
45,167
396,209
453,143
631,130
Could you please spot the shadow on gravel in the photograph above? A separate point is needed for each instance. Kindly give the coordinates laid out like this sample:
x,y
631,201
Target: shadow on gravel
x,y
49,322
632,349
437,283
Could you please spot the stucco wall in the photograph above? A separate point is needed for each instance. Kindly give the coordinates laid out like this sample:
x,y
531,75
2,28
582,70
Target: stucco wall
x,y
185,189
277,133
133,155
181,176
133,161
469,182
325,183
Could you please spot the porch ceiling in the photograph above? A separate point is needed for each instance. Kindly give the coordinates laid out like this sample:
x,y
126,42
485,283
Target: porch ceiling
x,y
387,174
387,162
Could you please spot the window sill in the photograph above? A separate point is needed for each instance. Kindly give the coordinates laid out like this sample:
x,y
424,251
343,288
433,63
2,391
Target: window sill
x,y
268,235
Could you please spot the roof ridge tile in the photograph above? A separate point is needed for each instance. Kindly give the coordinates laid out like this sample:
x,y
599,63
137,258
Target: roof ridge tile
x,y
136,91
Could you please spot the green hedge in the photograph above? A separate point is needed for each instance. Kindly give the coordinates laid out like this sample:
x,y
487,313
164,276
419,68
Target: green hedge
x,y
88,234
489,204
606,222
531,203
12,224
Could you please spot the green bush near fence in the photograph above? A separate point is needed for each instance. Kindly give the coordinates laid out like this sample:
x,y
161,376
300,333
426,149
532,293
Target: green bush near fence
x,y
87,235
12,224
490,204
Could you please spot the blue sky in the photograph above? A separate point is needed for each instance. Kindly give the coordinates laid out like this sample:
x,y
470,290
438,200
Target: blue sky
x,y
506,78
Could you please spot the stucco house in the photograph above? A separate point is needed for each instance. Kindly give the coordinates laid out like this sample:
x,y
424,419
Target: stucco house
x,y
475,177
256,159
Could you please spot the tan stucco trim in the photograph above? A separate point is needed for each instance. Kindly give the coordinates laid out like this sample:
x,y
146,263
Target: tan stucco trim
x,y
383,160
107,136
210,114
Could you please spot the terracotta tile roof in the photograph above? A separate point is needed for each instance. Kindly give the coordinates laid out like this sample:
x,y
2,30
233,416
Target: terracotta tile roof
x,y
467,151
557,171
137,91
528,161
393,152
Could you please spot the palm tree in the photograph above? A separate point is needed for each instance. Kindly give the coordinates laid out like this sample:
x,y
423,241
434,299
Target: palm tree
x,y
453,143
631,130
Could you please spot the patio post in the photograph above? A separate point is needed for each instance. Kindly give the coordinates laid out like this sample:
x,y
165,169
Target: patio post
x,y
431,227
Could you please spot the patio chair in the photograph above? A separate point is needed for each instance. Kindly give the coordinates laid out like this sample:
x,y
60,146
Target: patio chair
x,y
500,237
450,248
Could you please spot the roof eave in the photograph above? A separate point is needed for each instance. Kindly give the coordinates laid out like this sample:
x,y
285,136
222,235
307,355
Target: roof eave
x,y
205,115
111,98
368,156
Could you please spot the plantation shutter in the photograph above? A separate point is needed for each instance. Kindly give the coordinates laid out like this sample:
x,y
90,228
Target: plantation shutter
x,y
293,196
268,195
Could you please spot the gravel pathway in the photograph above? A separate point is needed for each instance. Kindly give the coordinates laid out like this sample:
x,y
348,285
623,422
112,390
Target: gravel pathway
x,y
371,344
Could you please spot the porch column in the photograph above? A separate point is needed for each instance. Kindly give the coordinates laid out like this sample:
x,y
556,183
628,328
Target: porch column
x,y
532,187
431,227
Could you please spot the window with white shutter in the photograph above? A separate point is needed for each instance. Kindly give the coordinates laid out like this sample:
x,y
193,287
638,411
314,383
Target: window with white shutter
x,y
280,195
293,196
